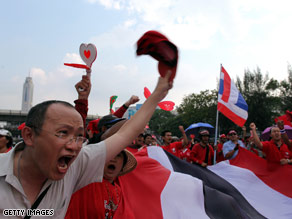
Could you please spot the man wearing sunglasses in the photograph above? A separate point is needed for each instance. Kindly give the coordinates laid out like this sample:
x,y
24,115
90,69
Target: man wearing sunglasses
x,y
230,148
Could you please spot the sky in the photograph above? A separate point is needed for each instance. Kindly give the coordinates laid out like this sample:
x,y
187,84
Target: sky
x,y
39,36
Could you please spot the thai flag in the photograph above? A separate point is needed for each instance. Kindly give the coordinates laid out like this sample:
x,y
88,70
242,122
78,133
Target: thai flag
x,y
230,101
164,186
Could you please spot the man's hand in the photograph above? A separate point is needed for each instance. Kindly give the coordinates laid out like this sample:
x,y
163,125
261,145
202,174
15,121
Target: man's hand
x,y
134,99
236,147
252,126
280,124
203,164
181,128
284,161
83,87
163,86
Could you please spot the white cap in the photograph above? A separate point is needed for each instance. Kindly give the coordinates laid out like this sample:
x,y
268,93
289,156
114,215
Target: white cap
x,y
5,132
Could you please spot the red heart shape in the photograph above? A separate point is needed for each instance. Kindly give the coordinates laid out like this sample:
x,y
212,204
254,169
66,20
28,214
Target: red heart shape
x,y
166,105
87,53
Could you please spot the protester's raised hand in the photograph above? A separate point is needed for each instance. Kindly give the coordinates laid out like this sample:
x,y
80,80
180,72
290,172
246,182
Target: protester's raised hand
x,y
134,99
181,128
83,87
252,126
280,124
163,86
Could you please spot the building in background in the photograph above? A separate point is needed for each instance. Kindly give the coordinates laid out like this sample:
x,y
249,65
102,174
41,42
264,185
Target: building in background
x,y
130,111
27,95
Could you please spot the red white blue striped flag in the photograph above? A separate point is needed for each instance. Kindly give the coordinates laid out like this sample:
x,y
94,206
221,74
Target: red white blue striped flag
x,y
230,101
164,186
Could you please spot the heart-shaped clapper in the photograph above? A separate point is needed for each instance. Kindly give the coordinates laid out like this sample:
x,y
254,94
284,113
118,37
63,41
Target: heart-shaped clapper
x,y
88,53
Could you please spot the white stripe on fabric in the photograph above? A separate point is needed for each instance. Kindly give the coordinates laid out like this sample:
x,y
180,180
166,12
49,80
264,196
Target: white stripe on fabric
x,y
233,98
182,197
157,153
235,109
264,199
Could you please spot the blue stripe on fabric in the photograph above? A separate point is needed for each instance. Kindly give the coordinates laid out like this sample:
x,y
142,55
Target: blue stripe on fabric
x,y
241,102
221,86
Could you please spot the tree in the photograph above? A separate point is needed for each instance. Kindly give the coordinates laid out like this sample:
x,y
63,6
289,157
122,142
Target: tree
x,y
164,120
199,107
286,92
260,94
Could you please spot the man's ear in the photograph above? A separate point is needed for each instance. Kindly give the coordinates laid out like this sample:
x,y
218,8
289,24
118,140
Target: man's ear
x,y
27,135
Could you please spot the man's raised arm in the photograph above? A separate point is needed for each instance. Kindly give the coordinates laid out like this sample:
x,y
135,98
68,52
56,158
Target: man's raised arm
x,y
136,124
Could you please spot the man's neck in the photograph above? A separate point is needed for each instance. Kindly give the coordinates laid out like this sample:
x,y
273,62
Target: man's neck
x,y
3,149
203,144
278,142
31,181
235,141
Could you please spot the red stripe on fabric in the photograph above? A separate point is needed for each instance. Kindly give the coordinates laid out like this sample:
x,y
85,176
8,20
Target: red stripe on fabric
x,y
227,85
274,175
230,115
142,189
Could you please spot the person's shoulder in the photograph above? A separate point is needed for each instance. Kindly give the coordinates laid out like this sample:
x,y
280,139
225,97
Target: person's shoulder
x,y
241,142
227,143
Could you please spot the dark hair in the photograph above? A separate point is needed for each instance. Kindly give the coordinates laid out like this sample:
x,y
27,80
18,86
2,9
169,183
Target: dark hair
x,y
10,142
164,132
36,115
146,135
272,127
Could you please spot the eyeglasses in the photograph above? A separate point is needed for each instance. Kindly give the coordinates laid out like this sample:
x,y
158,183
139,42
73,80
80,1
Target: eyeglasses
x,y
232,134
65,138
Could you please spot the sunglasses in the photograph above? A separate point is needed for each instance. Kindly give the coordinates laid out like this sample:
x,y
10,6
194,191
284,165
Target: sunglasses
x,y
232,134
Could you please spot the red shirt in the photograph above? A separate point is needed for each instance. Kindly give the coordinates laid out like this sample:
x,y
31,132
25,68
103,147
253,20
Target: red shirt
x,y
219,153
96,200
132,150
185,154
198,154
173,148
275,154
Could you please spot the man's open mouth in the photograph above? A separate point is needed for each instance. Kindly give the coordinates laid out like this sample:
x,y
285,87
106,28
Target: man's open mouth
x,y
111,167
64,161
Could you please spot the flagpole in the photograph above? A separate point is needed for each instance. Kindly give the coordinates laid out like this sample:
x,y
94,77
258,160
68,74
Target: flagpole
x,y
217,116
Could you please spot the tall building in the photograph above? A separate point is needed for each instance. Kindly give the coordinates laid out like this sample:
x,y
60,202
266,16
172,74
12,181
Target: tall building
x,y
27,94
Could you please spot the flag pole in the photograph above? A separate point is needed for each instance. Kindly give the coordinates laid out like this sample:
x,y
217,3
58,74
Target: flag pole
x,y
217,116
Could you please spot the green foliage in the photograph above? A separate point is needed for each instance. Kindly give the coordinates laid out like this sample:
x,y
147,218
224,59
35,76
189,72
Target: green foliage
x,y
258,91
286,92
164,120
199,107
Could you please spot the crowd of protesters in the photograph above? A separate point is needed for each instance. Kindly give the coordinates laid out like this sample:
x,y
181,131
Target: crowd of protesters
x,y
54,134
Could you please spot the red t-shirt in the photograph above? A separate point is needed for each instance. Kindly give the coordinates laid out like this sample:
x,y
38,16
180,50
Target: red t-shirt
x,y
275,154
185,154
198,154
96,200
173,148
132,150
219,153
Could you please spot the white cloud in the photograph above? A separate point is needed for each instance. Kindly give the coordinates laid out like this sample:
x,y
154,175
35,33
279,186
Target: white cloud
x,y
39,75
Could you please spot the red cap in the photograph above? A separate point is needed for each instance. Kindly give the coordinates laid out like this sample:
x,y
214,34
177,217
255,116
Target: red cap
x,y
232,132
222,136
160,48
92,125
